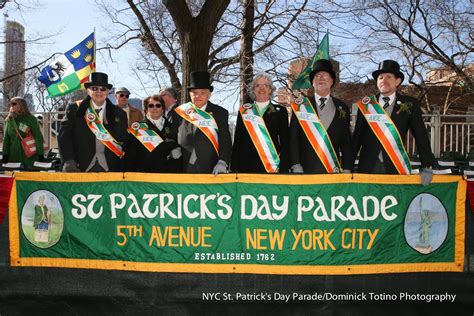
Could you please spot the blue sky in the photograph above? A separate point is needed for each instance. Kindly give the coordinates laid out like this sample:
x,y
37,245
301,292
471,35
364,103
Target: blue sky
x,y
66,23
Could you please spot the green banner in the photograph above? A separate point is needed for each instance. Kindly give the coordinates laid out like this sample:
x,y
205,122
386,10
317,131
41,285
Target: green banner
x,y
329,224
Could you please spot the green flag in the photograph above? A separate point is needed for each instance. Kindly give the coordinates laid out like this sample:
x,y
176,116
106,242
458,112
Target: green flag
x,y
302,82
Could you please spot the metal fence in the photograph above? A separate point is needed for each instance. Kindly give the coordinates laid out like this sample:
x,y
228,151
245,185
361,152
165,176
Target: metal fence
x,y
452,134
449,135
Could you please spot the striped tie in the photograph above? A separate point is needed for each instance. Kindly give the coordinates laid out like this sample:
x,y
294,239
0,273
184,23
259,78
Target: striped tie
x,y
322,103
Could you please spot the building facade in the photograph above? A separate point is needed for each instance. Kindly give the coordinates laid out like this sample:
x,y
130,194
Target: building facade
x,y
14,62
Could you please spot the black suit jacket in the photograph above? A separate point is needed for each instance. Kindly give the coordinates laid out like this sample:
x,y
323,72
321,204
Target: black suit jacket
x,y
245,157
365,140
77,142
339,133
139,159
190,138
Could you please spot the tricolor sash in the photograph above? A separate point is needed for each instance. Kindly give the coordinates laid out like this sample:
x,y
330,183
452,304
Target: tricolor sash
x,y
386,132
148,137
260,137
316,134
101,133
202,120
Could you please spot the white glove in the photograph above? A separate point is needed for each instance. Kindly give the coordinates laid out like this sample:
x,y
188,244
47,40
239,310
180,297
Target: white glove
x,y
426,176
220,167
176,153
297,168
70,166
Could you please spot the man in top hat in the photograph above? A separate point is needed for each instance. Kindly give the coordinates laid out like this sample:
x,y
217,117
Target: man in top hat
x,y
330,129
91,136
202,129
133,114
261,124
400,114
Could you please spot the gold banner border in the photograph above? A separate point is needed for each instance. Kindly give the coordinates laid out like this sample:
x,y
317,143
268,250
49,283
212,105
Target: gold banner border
x,y
456,266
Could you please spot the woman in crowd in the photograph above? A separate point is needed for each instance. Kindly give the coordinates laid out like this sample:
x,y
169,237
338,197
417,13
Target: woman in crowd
x,y
20,123
148,148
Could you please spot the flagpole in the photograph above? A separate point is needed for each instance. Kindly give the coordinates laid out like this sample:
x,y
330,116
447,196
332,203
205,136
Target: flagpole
x,y
95,52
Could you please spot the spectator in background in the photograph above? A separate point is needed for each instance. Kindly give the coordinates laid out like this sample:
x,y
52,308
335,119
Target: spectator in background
x,y
91,136
254,150
21,123
58,118
148,148
122,95
170,98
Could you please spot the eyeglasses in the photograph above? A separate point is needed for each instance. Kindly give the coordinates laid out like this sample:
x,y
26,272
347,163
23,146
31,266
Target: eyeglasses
x,y
103,89
13,104
262,85
154,105
123,95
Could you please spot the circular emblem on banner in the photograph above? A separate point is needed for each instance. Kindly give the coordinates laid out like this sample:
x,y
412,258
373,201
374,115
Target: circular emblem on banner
x,y
336,170
135,126
42,219
90,117
190,111
247,106
426,223
366,100
299,101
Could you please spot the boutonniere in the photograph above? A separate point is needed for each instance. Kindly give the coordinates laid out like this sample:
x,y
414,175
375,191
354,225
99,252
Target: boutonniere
x,y
342,113
404,107
117,120
167,130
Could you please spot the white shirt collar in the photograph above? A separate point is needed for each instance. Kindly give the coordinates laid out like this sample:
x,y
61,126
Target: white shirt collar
x,y
204,107
265,103
96,107
392,98
158,123
317,97
262,106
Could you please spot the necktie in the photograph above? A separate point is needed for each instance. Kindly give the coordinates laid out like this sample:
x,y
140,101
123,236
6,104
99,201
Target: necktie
x,y
387,102
98,110
323,103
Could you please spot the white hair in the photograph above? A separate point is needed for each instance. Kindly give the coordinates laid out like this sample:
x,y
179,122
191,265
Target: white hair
x,y
258,76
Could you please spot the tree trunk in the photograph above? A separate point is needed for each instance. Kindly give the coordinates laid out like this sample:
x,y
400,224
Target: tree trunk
x,y
196,34
246,50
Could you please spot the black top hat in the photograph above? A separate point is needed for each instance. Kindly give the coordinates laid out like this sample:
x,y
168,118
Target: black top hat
x,y
98,79
388,66
200,80
322,65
